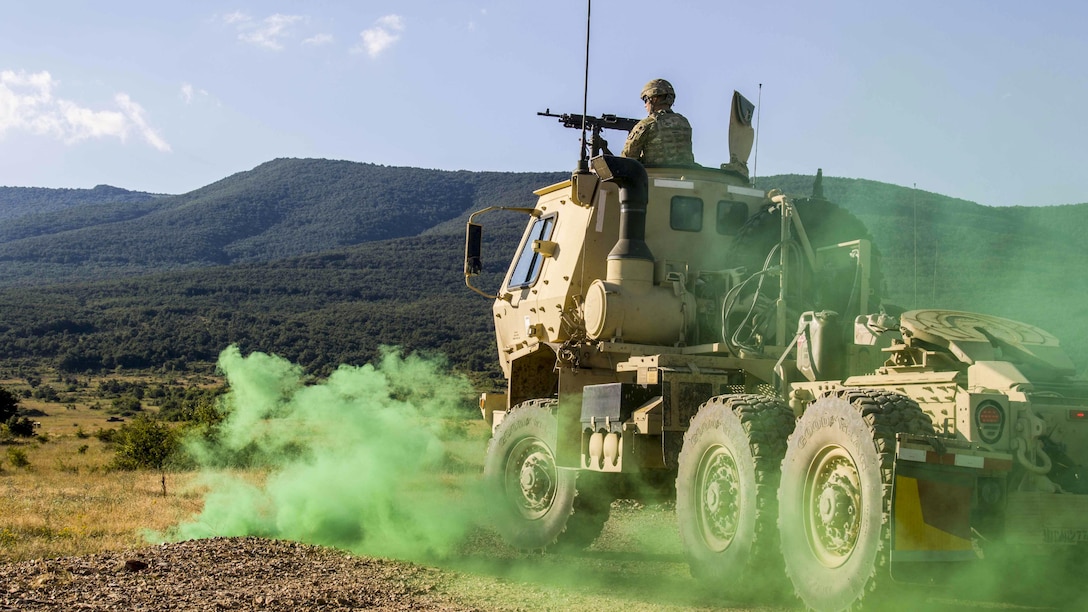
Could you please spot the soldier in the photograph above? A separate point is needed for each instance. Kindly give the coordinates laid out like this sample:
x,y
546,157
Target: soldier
x,y
664,137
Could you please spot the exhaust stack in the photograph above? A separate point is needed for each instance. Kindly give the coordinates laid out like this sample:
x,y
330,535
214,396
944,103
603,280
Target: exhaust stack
x,y
627,305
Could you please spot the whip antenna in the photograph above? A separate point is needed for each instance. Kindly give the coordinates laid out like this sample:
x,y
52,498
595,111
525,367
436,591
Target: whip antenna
x,y
755,162
583,160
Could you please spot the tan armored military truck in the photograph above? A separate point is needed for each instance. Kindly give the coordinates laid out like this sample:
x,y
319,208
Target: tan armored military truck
x,y
673,331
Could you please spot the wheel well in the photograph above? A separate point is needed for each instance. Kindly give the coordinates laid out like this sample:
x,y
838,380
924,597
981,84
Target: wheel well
x,y
533,376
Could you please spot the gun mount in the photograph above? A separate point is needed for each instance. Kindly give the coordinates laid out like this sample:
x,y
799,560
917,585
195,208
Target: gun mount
x,y
597,145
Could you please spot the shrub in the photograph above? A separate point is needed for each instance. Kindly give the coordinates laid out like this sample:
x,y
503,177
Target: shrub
x,y
9,405
66,468
145,443
17,457
46,393
22,427
126,405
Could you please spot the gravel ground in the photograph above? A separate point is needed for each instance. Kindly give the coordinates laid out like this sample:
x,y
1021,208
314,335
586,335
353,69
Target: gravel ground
x,y
221,574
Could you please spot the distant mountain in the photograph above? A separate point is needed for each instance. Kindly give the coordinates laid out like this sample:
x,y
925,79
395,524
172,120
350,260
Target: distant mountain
x,y
279,209
323,261
25,201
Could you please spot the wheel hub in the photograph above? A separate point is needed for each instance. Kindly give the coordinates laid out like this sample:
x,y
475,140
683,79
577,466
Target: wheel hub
x,y
834,502
719,503
531,474
537,483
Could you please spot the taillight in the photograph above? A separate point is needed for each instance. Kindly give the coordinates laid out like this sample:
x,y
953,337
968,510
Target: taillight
x,y
990,421
989,415
1078,415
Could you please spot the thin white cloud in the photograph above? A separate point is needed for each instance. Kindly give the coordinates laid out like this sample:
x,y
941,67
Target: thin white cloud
x,y
318,40
190,93
74,123
27,104
135,114
237,17
394,22
267,33
381,36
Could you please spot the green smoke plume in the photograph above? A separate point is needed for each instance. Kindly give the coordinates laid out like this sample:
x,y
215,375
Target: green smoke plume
x,y
351,462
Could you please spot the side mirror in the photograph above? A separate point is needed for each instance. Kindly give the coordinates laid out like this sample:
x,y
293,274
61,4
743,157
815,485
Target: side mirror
x,y
473,246
474,242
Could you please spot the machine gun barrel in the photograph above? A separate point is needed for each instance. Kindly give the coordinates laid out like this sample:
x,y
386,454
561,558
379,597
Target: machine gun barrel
x,y
606,121
595,125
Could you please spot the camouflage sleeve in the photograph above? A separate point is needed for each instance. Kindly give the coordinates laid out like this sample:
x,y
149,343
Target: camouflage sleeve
x,y
636,140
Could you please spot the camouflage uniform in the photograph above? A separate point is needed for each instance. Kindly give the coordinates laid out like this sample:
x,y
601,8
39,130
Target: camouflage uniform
x,y
663,138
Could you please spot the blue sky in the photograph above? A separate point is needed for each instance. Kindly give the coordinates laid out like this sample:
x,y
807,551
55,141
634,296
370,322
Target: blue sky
x,y
977,100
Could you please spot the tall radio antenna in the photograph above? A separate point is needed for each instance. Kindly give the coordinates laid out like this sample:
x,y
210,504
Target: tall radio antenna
x,y
583,159
755,161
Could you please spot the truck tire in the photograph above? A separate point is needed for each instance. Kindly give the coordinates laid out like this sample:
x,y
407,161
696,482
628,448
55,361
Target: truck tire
x,y
726,483
593,499
537,502
835,494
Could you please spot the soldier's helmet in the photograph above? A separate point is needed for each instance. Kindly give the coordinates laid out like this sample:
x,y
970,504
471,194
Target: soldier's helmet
x,y
659,87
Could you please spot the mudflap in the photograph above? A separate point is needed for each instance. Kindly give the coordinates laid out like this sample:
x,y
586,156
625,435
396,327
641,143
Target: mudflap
x,y
934,492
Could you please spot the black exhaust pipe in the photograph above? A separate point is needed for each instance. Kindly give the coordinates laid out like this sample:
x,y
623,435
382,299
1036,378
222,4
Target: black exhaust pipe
x,y
631,178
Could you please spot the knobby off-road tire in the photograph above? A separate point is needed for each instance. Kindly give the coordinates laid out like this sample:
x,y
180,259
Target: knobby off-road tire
x,y
593,499
726,484
537,504
835,495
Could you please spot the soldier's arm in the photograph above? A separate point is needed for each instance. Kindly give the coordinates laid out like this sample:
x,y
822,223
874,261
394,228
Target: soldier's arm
x,y
636,140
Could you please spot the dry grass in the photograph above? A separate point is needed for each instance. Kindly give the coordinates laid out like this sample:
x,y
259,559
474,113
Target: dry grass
x,y
67,501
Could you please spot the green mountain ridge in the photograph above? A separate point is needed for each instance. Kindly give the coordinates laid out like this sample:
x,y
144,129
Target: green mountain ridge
x,y
324,261
282,208
19,201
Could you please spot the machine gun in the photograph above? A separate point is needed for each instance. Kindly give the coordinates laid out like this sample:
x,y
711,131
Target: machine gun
x,y
596,124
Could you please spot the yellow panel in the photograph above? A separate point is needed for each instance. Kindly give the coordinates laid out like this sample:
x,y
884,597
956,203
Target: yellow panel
x,y
911,531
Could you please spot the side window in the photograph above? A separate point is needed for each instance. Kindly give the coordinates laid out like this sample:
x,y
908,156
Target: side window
x,y
527,268
686,214
731,216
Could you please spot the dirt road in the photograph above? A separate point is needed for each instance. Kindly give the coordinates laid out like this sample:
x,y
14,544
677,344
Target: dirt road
x,y
636,566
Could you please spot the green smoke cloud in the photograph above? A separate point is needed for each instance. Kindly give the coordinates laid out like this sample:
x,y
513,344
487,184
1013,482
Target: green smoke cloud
x,y
352,462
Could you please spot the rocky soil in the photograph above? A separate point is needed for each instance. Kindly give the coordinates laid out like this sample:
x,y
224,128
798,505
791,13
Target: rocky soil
x,y
221,574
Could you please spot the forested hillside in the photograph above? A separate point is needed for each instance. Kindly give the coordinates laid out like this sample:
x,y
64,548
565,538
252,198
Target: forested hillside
x,y
23,201
323,262
279,209
317,310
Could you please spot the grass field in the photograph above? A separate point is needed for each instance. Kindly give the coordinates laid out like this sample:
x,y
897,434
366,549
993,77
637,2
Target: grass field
x,y
58,495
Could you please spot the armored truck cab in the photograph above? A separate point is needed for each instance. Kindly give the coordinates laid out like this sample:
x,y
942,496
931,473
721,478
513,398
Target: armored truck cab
x,y
561,296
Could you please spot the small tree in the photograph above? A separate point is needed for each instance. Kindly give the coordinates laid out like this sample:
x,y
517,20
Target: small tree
x,y
145,443
22,427
46,393
9,405
126,405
